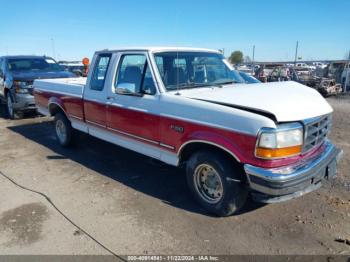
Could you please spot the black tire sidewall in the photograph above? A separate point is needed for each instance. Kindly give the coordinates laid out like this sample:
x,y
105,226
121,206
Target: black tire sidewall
x,y
234,193
68,127
9,115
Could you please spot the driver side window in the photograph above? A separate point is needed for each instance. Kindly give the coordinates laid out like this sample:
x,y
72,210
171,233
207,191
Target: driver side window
x,y
134,76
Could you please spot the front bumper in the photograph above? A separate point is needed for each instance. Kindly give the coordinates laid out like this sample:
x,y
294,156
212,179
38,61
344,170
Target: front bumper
x,y
24,102
284,183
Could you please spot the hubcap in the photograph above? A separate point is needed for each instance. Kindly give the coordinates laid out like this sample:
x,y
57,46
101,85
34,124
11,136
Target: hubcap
x,y
208,183
61,131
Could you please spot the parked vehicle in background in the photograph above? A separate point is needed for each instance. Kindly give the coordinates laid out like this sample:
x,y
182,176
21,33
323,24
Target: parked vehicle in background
x,y
248,79
325,86
181,106
74,67
319,65
335,70
303,75
301,65
17,74
246,69
345,78
273,72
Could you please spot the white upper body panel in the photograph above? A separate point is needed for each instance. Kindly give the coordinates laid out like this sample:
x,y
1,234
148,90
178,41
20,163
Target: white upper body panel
x,y
287,101
73,86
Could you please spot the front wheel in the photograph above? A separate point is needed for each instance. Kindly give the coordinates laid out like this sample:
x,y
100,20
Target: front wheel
x,y
9,106
216,182
63,130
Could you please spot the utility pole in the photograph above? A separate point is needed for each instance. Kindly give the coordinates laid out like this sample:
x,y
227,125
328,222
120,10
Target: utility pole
x,y
296,53
253,57
53,48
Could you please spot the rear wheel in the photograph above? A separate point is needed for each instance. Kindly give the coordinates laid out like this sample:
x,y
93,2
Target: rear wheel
x,y
63,130
216,182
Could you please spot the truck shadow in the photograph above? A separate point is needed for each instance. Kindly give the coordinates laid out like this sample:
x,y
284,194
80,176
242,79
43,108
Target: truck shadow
x,y
139,172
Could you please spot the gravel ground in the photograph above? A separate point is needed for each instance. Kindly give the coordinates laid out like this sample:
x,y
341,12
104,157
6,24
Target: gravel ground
x,y
120,201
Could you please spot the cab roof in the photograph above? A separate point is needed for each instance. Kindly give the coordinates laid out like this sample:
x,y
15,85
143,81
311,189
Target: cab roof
x,y
156,49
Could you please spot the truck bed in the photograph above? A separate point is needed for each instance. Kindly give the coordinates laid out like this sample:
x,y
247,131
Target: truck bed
x,y
65,92
71,86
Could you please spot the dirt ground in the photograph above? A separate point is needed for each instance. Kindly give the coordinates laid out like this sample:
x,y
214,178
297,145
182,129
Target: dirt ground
x,y
111,199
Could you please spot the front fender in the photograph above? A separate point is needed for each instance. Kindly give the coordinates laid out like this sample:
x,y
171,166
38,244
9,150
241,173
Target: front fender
x,y
240,146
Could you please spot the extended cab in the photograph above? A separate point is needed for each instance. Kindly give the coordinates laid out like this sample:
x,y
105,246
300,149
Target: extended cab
x,y
182,106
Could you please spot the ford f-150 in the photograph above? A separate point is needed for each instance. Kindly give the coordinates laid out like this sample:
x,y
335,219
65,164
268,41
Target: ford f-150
x,y
182,106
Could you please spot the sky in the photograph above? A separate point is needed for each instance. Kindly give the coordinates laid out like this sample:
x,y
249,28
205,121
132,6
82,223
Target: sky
x,y
71,30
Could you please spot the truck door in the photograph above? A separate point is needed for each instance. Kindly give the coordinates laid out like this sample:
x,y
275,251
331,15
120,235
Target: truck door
x,y
95,92
132,108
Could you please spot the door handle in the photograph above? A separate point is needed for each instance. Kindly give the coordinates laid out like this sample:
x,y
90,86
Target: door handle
x,y
110,98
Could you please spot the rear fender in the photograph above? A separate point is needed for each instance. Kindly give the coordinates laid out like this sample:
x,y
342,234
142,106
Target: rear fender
x,y
55,104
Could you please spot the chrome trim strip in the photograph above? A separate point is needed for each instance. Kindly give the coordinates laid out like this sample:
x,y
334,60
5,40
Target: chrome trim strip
x,y
134,136
76,117
57,92
135,145
94,123
64,111
137,109
206,142
167,146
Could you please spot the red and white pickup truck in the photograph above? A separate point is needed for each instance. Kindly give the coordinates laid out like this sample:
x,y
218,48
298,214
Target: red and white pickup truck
x,y
183,106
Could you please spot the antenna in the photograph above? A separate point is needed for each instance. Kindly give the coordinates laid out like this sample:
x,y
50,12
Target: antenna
x,y
53,48
177,75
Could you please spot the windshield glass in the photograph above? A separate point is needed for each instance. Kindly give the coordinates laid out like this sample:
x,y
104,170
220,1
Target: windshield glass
x,y
181,70
33,64
249,79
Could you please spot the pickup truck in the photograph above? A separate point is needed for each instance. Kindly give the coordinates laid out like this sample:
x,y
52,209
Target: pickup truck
x,y
181,106
17,74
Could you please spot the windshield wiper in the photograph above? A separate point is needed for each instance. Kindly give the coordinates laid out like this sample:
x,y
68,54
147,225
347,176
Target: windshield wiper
x,y
188,85
227,83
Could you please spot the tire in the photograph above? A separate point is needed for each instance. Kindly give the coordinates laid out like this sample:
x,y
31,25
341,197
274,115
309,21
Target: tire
x,y
9,106
208,169
63,130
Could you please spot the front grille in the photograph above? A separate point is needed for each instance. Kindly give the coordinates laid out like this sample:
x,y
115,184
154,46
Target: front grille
x,y
316,131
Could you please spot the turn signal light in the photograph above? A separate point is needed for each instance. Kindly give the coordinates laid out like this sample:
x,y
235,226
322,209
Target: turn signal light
x,y
270,153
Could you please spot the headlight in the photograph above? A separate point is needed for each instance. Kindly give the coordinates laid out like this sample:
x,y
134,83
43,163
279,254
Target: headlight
x,y
285,141
21,87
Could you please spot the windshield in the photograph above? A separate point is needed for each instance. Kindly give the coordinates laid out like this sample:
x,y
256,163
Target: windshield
x,y
181,70
249,79
33,64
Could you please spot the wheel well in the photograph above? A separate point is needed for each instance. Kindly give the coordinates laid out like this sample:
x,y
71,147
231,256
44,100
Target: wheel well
x,y
190,148
54,109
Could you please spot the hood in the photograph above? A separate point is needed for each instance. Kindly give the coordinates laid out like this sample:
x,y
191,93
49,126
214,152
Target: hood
x,y
32,75
286,101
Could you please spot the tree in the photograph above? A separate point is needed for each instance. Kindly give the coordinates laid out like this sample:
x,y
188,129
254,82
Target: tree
x,y
236,57
247,59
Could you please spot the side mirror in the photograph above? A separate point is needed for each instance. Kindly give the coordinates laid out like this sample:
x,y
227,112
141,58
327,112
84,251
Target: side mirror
x,y
127,89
